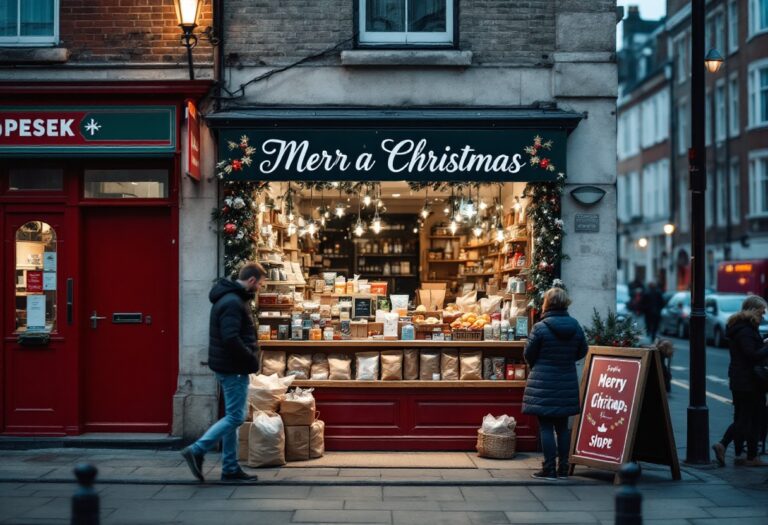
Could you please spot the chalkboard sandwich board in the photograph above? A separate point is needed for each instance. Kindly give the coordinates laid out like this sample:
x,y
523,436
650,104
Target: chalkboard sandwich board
x,y
624,412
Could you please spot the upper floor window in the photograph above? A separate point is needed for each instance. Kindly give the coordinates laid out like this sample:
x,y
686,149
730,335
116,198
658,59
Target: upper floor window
x,y
680,50
29,22
758,16
733,26
758,183
406,22
757,85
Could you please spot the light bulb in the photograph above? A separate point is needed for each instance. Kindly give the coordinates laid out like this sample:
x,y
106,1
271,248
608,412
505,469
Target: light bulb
x,y
500,235
415,230
483,205
291,228
359,228
425,212
335,184
379,203
262,207
339,210
477,230
458,218
322,221
291,217
367,200
327,214
312,228
454,227
376,225
446,210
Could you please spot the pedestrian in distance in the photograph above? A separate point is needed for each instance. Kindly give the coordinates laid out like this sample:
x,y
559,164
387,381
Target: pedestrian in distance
x,y
652,304
232,356
747,350
556,343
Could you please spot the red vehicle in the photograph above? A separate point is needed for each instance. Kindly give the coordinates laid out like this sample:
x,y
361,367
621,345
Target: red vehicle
x,y
743,277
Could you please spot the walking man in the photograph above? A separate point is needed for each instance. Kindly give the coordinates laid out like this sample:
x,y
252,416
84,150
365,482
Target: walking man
x,y
232,356
653,303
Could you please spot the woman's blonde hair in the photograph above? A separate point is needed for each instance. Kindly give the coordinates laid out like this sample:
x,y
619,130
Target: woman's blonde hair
x,y
555,299
750,310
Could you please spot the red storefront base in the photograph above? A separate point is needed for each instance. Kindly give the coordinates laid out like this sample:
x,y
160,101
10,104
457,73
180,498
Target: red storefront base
x,y
421,419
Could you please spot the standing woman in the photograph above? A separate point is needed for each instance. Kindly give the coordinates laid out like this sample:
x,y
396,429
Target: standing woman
x,y
747,351
552,391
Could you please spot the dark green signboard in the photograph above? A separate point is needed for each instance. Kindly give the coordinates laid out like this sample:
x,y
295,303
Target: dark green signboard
x,y
376,153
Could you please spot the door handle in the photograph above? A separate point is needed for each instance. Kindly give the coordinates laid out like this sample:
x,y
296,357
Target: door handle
x,y
95,318
70,300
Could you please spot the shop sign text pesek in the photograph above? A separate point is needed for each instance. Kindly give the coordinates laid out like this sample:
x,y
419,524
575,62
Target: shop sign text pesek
x,y
413,154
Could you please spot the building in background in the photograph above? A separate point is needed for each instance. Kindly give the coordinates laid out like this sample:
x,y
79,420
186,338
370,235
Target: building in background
x,y
736,137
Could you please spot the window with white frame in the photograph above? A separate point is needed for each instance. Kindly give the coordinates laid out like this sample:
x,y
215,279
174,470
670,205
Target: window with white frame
x,y
758,16
733,106
758,183
406,22
647,129
634,131
757,85
708,119
719,36
662,175
682,128
621,197
720,124
662,116
29,22
733,26
649,192
720,195
735,180
681,57
634,191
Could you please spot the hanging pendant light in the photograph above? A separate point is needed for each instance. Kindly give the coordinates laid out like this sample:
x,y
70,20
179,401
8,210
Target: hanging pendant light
x,y
359,228
340,207
376,223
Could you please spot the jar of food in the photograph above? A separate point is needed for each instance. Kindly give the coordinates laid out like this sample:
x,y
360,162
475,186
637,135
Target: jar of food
x,y
408,333
315,334
264,332
328,333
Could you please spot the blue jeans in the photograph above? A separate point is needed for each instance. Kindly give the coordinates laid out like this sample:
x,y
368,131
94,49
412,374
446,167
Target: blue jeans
x,y
235,389
548,427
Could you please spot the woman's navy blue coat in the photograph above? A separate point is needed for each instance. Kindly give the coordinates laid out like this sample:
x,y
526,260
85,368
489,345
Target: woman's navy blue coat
x,y
554,346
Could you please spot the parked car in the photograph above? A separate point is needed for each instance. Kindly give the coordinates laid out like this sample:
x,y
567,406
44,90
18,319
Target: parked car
x,y
719,307
622,302
675,316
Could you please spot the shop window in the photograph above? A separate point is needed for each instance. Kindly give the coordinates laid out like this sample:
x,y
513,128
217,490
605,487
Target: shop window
x,y
406,22
126,184
35,179
29,22
36,260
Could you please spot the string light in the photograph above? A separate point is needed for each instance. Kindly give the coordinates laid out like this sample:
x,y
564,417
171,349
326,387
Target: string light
x,y
376,224
359,228
340,208
499,233
454,226
291,229
312,228
367,200
477,230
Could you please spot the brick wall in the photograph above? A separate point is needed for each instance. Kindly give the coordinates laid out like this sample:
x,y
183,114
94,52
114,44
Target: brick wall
x,y
276,32
127,31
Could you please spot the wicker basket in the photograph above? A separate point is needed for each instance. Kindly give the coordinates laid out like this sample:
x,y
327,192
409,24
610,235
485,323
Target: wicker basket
x,y
494,446
467,335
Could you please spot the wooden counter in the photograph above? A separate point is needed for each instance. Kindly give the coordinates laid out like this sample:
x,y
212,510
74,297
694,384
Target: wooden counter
x,y
413,415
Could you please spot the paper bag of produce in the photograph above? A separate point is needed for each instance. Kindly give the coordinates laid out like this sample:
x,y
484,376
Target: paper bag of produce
x,y
299,365
298,408
320,370
411,364
265,392
266,440
317,439
470,366
449,365
296,443
340,366
367,368
429,364
272,362
391,365
242,441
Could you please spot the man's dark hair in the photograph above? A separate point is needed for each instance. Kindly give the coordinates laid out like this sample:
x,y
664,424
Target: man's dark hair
x,y
252,269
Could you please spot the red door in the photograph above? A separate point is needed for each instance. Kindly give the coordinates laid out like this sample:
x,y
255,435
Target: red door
x,y
38,348
130,350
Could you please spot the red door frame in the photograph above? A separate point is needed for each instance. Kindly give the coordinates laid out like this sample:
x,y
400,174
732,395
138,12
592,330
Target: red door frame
x,y
105,93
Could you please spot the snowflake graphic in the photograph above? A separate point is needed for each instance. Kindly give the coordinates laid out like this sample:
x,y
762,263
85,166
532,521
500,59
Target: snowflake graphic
x,y
92,127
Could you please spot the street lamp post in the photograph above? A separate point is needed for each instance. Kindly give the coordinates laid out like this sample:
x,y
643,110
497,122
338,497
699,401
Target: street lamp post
x,y
698,413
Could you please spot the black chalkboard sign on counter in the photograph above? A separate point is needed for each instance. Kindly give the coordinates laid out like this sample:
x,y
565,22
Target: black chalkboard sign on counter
x,y
362,307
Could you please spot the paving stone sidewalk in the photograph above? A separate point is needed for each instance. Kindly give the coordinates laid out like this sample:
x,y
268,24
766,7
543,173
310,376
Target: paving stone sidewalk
x,y
142,487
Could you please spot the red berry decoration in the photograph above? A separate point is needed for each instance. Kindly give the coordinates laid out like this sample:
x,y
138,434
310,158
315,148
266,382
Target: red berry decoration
x,y
230,228
544,163
225,209
237,165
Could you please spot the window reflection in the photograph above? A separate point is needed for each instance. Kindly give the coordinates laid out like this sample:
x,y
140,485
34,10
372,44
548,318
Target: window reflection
x,y
36,261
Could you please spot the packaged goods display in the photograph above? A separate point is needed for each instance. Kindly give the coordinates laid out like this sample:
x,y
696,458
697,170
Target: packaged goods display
x,y
273,363
266,440
320,368
299,365
297,407
429,365
410,364
340,366
449,365
367,367
297,443
470,365
391,365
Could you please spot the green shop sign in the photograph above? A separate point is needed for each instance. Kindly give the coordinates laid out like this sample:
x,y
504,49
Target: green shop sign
x,y
368,152
88,129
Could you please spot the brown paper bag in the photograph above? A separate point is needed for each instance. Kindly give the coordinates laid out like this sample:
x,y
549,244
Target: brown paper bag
x,y
296,443
449,365
391,365
367,366
340,366
297,412
317,439
320,370
299,365
242,441
266,440
471,365
272,362
429,364
411,364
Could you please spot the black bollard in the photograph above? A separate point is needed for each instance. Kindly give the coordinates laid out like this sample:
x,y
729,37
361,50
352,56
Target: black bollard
x,y
85,502
628,499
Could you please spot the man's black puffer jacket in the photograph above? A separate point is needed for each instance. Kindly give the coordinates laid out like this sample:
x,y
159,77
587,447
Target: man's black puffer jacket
x,y
232,346
747,351
555,344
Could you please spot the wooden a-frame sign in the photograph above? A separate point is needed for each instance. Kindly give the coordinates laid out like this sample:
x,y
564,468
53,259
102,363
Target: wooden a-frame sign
x,y
624,412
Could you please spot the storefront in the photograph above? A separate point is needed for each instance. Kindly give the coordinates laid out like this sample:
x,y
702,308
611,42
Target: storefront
x,y
89,211
406,251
